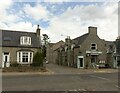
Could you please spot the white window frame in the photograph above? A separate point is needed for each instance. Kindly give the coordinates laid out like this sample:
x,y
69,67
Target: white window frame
x,y
25,40
66,48
20,57
72,46
93,46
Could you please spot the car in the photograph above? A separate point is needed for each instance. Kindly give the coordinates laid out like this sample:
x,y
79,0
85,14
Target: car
x,y
46,62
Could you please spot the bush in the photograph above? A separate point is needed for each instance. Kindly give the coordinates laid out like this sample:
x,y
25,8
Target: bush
x,y
15,65
38,59
24,69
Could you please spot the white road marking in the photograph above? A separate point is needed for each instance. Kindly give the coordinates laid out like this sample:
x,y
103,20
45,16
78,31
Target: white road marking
x,y
99,77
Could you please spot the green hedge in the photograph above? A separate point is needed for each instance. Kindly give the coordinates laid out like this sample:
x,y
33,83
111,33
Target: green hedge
x,y
38,59
15,65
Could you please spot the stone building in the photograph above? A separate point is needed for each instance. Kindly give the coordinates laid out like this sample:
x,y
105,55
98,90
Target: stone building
x,y
87,51
52,51
117,53
18,47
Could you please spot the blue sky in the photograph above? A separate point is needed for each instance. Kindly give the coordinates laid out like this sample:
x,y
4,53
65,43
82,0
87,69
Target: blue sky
x,y
61,19
59,9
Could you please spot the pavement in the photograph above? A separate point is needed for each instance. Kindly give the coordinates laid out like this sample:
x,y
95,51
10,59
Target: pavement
x,y
56,69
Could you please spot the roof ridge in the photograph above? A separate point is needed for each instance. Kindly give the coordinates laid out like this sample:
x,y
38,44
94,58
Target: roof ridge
x,y
80,39
16,31
80,36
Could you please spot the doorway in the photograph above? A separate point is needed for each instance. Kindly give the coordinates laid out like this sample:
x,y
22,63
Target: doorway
x,y
93,60
6,59
80,62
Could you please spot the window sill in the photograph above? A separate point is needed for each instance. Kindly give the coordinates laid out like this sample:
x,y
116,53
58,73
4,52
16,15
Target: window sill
x,y
24,63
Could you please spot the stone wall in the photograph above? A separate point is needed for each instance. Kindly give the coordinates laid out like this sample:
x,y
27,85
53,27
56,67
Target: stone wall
x,y
13,52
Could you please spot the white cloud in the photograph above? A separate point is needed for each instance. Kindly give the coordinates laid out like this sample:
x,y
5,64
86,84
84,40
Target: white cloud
x,y
38,12
4,5
5,17
75,21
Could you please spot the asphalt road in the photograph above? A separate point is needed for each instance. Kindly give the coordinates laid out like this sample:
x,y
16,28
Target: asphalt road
x,y
59,82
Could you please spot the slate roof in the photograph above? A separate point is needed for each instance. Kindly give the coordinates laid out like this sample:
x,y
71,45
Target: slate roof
x,y
79,40
12,39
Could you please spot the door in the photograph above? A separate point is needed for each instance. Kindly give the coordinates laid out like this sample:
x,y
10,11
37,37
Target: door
x,y
80,62
93,60
6,60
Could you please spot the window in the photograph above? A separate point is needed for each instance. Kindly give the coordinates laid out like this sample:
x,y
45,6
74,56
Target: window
x,y
25,40
72,46
7,38
93,46
66,48
24,57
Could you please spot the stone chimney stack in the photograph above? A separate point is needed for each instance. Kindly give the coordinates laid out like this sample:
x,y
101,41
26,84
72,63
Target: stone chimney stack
x,y
67,40
92,30
38,31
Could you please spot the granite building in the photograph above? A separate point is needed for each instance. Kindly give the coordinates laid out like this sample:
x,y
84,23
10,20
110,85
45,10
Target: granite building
x,y
87,51
18,47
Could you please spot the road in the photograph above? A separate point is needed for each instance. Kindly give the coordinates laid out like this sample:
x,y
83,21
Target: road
x,y
61,80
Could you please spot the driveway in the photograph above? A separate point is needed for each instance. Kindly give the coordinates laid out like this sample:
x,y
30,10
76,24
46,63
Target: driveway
x,y
58,69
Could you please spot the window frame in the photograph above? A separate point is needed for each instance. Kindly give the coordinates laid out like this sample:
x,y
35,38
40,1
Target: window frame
x,y
25,40
28,56
91,47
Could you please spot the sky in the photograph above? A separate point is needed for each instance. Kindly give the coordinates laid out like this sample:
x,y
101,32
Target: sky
x,y
61,18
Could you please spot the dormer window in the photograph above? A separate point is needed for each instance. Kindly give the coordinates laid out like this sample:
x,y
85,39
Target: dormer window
x,y
93,46
25,40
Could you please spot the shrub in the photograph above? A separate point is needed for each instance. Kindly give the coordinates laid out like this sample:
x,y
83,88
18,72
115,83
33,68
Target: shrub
x,y
38,59
15,64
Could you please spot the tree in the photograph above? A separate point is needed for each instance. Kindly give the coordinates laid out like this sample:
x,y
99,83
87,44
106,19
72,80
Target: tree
x,y
44,45
38,59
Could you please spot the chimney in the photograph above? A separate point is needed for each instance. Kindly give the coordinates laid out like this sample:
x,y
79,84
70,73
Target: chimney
x,y
68,40
38,31
92,30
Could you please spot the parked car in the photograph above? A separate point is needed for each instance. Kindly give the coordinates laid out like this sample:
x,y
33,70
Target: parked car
x,y
46,62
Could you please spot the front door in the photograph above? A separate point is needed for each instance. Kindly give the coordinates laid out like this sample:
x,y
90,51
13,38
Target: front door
x,y
80,62
93,60
6,59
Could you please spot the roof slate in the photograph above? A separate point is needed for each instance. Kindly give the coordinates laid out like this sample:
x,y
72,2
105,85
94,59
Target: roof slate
x,y
79,40
14,39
